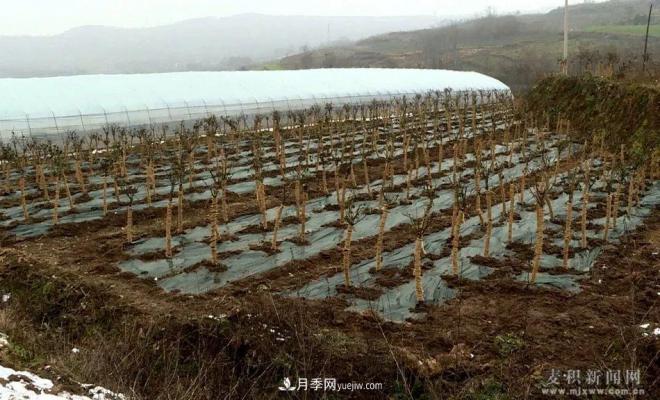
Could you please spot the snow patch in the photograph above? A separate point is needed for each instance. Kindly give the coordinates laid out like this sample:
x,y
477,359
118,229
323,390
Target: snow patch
x,y
28,386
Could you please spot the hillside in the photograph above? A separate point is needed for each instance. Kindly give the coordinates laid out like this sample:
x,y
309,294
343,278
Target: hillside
x,y
198,44
518,49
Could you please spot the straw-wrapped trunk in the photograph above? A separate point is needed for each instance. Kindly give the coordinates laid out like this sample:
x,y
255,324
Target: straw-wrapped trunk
x,y
512,206
21,186
489,223
276,227
213,216
381,234
105,195
168,229
179,216
56,201
129,224
538,245
347,255
456,232
608,216
417,270
568,232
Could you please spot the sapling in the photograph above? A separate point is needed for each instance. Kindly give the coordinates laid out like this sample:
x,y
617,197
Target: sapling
x,y
21,187
216,188
502,195
510,146
474,113
608,215
448,116
77,146
42,182
168,228
224,172
56,201
188,140
123,145
353,215
408,183
116,174
539,190
352,174
416,153
21,162
365,165
106,166
523,184
421,225
457,220
279,146
512,205
211,128
477,181
638,188
631,194
276,226
427,163
129,191
441,155
340,190
63,172
568,226
549,179
585,204
454,173
175,174
489,223
386,167
7,154
615,205
384,212
179,209
178,171
58,165
148,149
303,214
67,190
93,141
493,154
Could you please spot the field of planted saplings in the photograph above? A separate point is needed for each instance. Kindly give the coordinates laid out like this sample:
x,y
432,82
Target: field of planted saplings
x,y
376,227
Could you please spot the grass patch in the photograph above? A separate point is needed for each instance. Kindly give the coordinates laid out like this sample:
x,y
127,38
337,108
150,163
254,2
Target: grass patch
x,y
508,344
635,30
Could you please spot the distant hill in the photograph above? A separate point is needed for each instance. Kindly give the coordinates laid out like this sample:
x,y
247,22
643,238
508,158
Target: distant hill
x,y
517,49
198,44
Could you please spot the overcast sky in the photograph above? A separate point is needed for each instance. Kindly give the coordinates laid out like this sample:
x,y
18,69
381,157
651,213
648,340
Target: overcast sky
x,y
45,17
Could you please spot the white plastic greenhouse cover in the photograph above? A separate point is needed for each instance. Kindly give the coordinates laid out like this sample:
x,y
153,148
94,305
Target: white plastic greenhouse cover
x,y
87,102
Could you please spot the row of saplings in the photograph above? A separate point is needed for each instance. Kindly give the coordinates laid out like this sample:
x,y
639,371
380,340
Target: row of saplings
x,y
616,174
52,165
181,154
613,172
341,152
107,151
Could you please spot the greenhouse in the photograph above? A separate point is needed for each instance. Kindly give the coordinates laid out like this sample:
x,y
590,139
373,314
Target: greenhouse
x,y
51,106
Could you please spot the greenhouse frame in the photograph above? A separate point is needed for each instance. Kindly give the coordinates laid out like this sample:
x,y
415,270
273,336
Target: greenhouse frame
x,y
44,107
